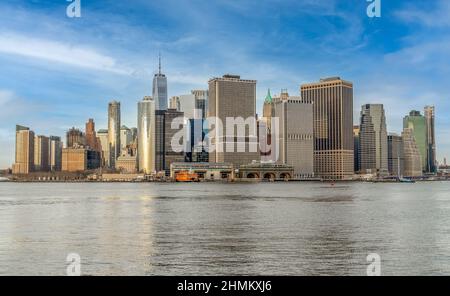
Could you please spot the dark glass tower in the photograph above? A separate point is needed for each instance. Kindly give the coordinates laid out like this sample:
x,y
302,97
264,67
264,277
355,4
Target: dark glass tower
x,y
160,89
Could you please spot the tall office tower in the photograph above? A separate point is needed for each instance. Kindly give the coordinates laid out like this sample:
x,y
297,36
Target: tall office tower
x,y
113,132
194,106
91,136
166,152
267,146
159,140
411,154
41,148
296,134
268,110
373,140
126,138
332,100
396,159
233,98
196,140
75,137
146,123
367,150
431,139
160,89
201,103
103,141
24,160
418,124
55,154
172,153
356,133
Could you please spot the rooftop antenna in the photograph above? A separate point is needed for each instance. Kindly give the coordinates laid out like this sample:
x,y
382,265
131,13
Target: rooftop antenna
x,y
159,63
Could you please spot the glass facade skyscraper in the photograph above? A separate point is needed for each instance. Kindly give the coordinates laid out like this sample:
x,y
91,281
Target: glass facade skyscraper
x,y
113,132
146,135
396,159
429,113
417,124
160,89
164,133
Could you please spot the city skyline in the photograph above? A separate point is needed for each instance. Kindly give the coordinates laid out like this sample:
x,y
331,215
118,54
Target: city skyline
x,y
114,110
83,90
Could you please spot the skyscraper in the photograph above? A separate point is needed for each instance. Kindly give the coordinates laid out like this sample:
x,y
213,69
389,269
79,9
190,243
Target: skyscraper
x,y
196,142
126,138
166,153
113,132
429,113
146,135
24,160
103,141
396,159
41,148
332,100
193,106
296,134
417,123
233,98
91,136
55,154
159,140
201,103
75,137
373,140
173,154
160,89
267,146
411,154
356,133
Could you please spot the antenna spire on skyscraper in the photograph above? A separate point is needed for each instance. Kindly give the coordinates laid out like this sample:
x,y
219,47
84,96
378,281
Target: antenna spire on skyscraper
x,y
159,63
160,88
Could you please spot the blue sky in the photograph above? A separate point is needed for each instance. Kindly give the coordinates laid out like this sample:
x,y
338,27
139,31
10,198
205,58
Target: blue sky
x,y
56,72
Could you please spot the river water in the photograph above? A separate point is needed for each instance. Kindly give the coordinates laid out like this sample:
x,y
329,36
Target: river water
x,y
225,229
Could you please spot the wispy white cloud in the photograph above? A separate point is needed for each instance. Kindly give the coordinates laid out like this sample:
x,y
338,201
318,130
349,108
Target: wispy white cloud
x,y
5,97
14,107
54,51
426,53
439,16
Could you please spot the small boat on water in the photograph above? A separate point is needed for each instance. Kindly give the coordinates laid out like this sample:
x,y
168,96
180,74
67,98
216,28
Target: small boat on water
x,y
3,179
186,176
